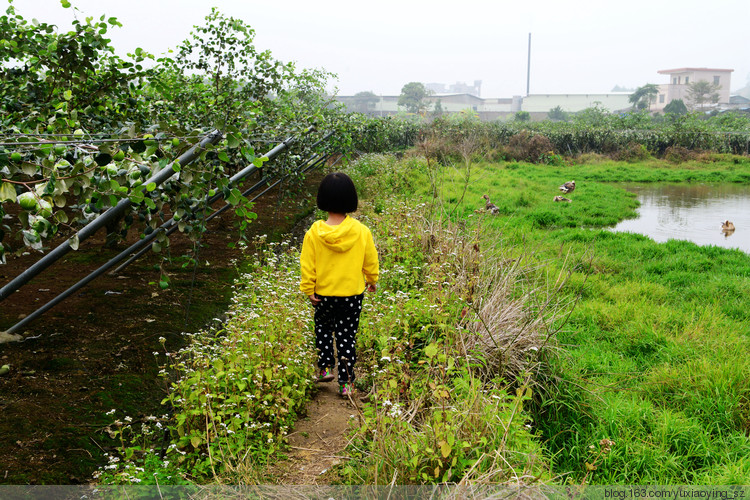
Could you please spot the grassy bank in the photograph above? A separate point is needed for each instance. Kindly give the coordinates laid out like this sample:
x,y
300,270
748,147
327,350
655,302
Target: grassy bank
x,y
655,350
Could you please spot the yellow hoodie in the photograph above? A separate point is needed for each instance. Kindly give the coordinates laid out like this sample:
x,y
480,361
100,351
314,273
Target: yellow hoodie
x,y
336,260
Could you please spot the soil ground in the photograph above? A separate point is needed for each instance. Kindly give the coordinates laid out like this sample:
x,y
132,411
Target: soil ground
x,y
318,440
94,352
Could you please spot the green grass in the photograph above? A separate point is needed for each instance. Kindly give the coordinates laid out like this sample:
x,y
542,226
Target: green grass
x,y
655,351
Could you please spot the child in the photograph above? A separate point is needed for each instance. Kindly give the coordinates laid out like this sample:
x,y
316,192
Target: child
x,y
338,262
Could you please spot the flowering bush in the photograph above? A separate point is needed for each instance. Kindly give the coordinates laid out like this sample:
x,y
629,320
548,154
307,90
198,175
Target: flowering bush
x,y
235,391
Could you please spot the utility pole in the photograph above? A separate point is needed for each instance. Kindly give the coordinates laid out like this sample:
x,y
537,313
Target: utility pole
x,y
528,68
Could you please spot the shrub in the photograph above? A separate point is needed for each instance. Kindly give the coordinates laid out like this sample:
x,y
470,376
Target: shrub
x,y
632,152
527,147
678,154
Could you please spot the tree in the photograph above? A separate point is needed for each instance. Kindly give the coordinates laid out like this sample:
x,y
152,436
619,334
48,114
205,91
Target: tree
x,y
438,110
365,101
413,97
676,108
83,129
702,92
644,96
557,114
522,116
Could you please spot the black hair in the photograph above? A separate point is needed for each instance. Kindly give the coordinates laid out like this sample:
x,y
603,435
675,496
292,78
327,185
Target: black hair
x,y
337,194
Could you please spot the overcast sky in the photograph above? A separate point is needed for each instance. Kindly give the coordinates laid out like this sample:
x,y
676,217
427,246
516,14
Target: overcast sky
x,y
585,46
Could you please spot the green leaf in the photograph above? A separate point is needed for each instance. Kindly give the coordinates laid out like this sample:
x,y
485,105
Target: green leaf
x,y
248,153
61,217
150,186
233,141
7,192
224,157
68,95
195,441
29,168
136,197
431,350
65,4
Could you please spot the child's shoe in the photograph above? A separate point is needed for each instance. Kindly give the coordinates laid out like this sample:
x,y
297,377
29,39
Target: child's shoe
x,y
347,389
326,375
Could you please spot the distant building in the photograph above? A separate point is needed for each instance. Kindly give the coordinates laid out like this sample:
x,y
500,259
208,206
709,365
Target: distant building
x,y
450,103
739,102
680,78
538,105
572,103
456,88
460,97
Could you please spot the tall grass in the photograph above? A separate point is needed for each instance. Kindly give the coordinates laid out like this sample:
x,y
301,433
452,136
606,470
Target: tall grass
x,y
450,345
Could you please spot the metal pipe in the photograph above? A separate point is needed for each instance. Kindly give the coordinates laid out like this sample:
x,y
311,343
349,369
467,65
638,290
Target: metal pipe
x,y
140,248
102,269
169,226
100,221
139,253
67,293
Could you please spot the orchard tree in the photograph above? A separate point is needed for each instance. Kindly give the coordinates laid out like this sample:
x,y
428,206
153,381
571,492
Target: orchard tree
x,y
413,96
84,129
702,92
644,97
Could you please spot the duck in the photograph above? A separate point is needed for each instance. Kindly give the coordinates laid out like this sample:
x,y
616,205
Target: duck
x,y
490,206
560,198
727,226
568,187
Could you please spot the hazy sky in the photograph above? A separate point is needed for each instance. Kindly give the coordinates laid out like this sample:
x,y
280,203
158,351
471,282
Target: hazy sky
x,y
582,46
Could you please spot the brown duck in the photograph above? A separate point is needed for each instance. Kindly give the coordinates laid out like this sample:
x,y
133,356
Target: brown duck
x,y
490,206
568,187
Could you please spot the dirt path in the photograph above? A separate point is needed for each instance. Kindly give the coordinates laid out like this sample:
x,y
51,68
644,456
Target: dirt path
x,y
319,439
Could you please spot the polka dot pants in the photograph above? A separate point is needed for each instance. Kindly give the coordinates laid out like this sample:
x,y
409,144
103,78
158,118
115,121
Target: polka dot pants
x,y
338,317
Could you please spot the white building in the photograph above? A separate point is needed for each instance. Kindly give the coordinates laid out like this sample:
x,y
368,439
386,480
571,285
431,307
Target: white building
x,y
681,78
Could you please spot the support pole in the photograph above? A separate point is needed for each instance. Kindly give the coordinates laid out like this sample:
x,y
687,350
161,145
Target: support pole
x,y
100,221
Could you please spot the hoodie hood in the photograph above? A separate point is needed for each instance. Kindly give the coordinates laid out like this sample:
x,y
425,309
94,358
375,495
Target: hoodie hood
x,y
339,238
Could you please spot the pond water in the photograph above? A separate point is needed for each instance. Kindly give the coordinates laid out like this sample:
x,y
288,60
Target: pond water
x,y
691,212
